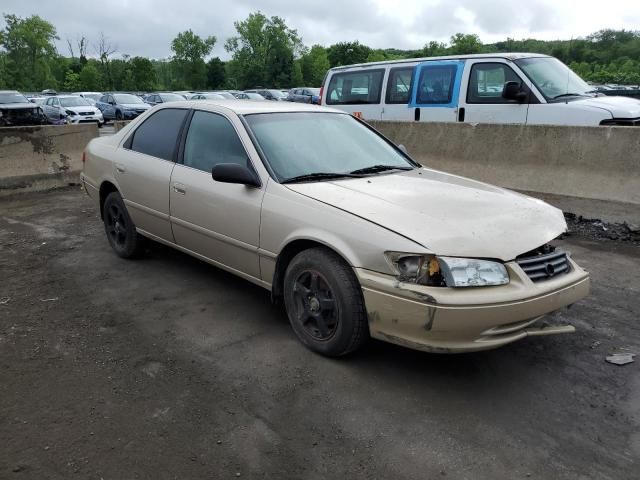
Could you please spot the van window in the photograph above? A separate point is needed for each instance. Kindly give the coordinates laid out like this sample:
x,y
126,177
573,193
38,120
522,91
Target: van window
x,y
436,83
399,85
487,80
353,88
158,135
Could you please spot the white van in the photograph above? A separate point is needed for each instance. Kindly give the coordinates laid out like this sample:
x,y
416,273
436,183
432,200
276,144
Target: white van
x,y
483,88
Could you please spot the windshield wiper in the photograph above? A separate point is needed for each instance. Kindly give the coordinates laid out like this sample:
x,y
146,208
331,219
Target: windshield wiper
x,y
568,95
378,168
319,176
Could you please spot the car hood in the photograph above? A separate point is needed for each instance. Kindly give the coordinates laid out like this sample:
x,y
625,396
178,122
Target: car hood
x,y
136,106
446,214
18,106
618,107
87,108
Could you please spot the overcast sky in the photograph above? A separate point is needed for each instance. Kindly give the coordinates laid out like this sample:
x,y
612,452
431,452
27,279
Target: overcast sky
x,y
146,27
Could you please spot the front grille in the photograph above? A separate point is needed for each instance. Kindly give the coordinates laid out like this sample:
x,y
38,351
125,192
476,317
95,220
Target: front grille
x,y
85,113
544,263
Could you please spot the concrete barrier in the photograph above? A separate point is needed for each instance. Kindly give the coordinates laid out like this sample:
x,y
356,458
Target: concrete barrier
x,y
39,158
590,162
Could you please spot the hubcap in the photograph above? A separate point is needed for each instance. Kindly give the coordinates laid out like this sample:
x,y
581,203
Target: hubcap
x,y
315,305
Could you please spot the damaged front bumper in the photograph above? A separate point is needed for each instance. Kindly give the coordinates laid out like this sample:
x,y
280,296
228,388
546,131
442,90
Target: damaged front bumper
x,y
451,320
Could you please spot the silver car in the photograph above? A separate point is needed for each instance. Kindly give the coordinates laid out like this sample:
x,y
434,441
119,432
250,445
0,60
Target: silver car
x,y
343,227
74,107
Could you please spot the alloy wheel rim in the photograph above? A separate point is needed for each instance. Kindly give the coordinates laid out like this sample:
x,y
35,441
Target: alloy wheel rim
x,y
315,305
116,225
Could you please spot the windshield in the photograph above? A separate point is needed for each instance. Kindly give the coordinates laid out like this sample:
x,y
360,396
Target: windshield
x,y
171,97
314,91
254,96
304,143
277,93
92,96
73,102
14,97
127,98
552,77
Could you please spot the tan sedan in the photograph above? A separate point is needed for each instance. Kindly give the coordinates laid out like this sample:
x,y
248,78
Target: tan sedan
x,y
353,236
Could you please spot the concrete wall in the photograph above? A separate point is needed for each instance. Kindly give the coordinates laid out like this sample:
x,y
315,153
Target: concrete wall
x,y
38,158
591,162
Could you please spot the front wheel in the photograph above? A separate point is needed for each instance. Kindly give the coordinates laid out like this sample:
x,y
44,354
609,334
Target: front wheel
x,y
118,115
121,232
324,303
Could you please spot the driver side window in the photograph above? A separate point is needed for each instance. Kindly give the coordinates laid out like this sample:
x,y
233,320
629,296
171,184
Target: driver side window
x,y
212,140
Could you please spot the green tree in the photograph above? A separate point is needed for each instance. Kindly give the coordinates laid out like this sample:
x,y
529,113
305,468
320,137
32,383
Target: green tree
x,y
72,82
462,44
90,77
434,49
347,53
263,51
216,74
189,53
314,66
143,74
29,45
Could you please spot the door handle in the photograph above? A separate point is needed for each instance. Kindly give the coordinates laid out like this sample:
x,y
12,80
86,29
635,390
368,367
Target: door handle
x,y
179,188
120,168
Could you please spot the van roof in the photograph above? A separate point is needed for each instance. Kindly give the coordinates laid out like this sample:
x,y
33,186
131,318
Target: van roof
x,y
507,56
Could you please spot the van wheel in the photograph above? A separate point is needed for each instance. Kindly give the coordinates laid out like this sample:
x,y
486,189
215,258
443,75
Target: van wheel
x,y
324,303
121,232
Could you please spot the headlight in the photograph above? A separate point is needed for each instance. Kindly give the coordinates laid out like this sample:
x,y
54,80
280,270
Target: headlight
x,y
447,271
69,112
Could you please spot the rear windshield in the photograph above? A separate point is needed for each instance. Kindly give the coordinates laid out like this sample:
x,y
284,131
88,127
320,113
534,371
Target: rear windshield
x,y
354,88
127,98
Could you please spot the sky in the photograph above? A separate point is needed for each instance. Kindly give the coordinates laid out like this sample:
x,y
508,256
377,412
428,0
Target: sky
x,y
146,27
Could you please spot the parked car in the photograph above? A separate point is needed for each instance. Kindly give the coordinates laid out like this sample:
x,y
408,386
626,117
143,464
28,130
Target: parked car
x,y
250,96
304,95
208,96
162,97
355,237
91,97
76,109
224,93
269,94
482,88
184,94
17,110
121,106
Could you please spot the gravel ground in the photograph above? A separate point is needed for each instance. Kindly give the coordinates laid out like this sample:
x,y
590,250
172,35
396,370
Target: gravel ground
x,y
169,368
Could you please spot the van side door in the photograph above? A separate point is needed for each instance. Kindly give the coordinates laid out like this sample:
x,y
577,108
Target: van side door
x,y
435,90
357,91
397,94
483,100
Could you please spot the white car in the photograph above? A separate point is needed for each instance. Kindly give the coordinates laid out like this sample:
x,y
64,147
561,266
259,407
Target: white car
x,y
91,97
77,109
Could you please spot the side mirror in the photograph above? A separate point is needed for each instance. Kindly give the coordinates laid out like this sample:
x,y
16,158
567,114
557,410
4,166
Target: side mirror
x,y
234,173
513,91
403,149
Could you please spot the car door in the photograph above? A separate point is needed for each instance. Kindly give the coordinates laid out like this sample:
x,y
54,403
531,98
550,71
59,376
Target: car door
x,y
107,106
143,170
435,90
483,101
220,221
397,93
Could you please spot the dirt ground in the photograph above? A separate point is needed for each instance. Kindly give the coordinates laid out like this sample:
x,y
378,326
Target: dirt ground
x,y
169,368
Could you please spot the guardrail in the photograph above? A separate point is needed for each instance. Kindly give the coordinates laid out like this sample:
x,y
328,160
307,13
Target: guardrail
x,y
600,163
42,157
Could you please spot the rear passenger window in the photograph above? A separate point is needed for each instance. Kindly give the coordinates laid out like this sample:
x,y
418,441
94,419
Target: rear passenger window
x,y
487,80
212,140
399,85
435,85
158,135
353,88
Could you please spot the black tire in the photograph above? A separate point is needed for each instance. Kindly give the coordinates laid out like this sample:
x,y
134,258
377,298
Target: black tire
x,y
324,303
99,124
118,115
120,230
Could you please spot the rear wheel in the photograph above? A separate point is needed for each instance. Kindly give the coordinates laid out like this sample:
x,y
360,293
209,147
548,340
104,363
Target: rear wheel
x,y
120,230
324,303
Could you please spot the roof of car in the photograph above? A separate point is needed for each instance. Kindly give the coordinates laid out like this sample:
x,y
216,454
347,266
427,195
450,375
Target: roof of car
x,y
9,91
248,106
